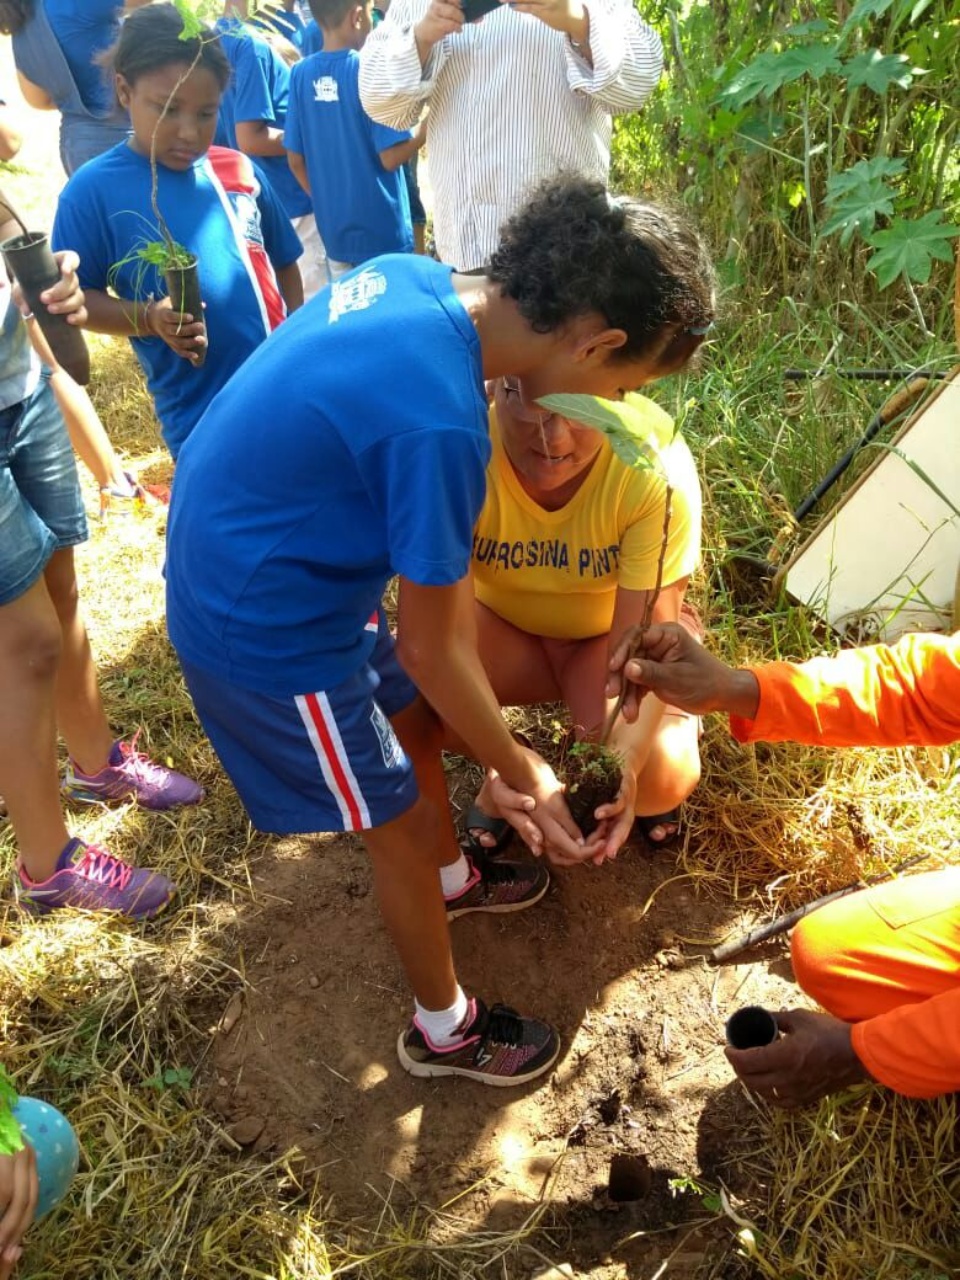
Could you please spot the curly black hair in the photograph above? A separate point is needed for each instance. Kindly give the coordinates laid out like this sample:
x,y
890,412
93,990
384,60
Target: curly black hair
x,y
14,15
150,39
573,249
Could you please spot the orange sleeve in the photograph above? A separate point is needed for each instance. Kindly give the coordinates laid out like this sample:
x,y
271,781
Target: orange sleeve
x,y
914,1049
907,694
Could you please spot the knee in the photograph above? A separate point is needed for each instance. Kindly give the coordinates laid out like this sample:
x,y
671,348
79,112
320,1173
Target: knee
x,y
31,648
421,732
814,954
672,772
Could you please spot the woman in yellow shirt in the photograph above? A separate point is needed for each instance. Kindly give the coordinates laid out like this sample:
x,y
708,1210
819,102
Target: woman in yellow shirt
x,y
564,556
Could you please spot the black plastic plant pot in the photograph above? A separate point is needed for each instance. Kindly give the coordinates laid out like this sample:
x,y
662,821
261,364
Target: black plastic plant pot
x,y
751,1028
183,286
29,259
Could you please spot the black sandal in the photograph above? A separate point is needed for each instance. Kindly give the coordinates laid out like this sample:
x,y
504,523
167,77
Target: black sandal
x,y
499,828
646,824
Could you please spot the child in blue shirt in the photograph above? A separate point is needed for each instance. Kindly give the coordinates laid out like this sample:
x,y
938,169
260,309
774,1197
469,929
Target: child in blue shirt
x,y
350,165
253,109
281,544
215,202
253,112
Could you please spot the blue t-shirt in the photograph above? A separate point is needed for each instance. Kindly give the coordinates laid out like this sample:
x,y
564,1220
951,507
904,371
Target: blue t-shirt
x,y
83,29
259,89
287,23
361,209
312,38
316,475
105,215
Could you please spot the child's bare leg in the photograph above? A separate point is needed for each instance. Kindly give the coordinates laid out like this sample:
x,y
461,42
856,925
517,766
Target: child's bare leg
x,y
404,854
80,713
86,431
421,735
29,655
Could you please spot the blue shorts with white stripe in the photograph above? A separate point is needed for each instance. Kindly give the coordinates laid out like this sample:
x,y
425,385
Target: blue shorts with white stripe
x,y
327,760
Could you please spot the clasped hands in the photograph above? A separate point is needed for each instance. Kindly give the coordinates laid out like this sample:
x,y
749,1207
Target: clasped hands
x,y
543,821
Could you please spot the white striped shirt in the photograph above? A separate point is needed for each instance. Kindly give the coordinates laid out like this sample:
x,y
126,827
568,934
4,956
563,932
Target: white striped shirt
x,y
511,103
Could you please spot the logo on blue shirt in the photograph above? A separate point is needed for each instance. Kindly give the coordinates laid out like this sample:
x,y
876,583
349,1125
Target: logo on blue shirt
x,y
356,293
325,89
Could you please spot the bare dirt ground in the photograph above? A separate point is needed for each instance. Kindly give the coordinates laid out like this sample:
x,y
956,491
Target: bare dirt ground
x,y
608,956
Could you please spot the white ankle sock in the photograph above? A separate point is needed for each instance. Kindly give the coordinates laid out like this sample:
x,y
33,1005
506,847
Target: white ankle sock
x,y
441,1026
454,877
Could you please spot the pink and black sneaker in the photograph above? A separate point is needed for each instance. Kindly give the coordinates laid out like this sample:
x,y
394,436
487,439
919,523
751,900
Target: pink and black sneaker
x,y
131,775
91,879
499,885
497,1047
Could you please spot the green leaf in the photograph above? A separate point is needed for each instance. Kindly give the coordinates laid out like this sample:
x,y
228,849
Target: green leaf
x,y
11,1139
908,247
864,9
192,26
858,195
171,1078
771,71
637,428
878,71
864,171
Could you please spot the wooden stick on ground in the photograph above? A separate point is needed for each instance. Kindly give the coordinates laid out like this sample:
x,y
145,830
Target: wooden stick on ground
x,y
773,928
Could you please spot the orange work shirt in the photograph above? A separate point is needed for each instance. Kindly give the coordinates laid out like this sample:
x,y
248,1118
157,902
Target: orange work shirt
x,y
906,694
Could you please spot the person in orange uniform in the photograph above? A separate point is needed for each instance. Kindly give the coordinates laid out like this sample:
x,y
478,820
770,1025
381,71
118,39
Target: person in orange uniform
x,y
884,961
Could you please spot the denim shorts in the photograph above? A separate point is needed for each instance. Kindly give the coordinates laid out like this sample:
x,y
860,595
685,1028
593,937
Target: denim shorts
x,y
41,508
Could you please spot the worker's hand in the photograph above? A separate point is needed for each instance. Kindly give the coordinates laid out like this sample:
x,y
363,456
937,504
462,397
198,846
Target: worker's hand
x,y
442,18
179,330
813,1057
670,663
65,298
19,1191
540,816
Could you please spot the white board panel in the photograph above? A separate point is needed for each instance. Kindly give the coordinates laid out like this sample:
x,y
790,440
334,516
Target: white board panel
x,y
885,560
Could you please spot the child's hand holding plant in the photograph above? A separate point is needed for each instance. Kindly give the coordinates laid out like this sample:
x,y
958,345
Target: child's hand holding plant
x,y
179,330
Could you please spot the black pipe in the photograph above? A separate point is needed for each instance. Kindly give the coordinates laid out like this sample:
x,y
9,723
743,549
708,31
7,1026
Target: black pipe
x,y
897,405
861,375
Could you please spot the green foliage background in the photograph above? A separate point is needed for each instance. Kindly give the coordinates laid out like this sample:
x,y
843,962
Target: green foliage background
x,y
808,135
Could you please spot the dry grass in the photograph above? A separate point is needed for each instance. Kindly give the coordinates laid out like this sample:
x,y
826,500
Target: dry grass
x,y
867,1185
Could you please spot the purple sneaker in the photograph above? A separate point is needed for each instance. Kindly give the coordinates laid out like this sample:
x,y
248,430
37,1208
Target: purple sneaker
x,y
130,775
91,879
497,1047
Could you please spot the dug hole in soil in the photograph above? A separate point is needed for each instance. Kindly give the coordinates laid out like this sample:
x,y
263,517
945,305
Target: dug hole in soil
x,y
307,1057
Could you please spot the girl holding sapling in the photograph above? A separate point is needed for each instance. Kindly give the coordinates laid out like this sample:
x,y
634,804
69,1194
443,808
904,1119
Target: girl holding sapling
x,y
166,194
573,542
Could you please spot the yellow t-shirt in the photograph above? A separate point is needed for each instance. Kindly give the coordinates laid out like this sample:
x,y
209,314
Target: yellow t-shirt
x,y
556,573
